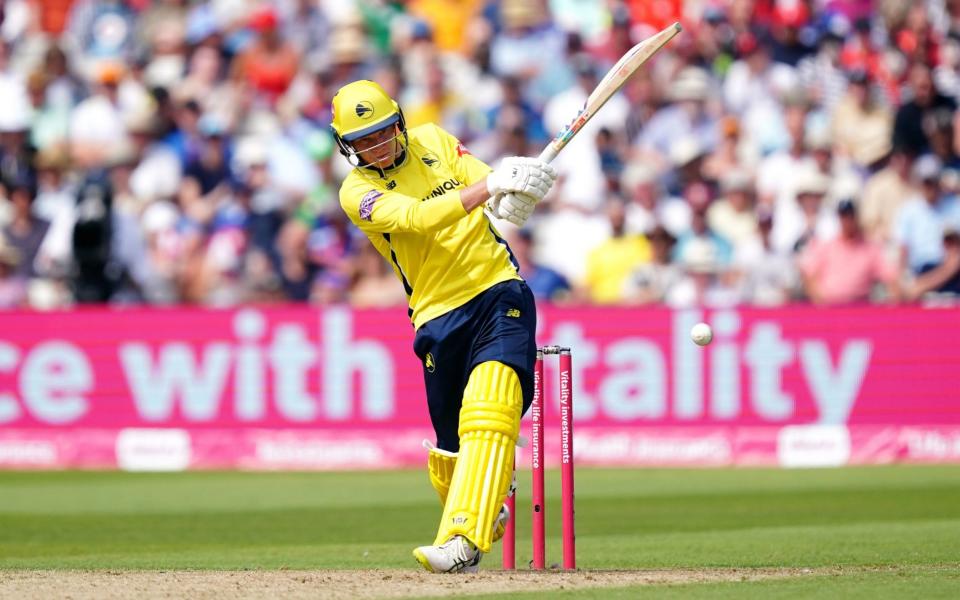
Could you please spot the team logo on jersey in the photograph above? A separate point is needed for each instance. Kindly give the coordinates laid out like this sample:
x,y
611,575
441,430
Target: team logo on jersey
x,y
430,159
391,184
428,363
364,109
366,204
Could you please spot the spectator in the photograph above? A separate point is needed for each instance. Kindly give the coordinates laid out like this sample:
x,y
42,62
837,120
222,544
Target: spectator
x,y
919,225
270,63
96,124
703,283
925,101
700,234
16,154
939,129
25,232
807,218
156,172
767,275
49,123
211,168
651,281
687,115
884,193
777,172
686,155
348,54
306,26
527,44
845,269
945,277
164,250
733,216
13,289
754,80
844,180
733,152
436,102
610,264
513,100
859,120
647,205
64,89
544,282
789,43
821,74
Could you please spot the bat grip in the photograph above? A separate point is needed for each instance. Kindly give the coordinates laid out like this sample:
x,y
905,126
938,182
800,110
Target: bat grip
x,y
548,154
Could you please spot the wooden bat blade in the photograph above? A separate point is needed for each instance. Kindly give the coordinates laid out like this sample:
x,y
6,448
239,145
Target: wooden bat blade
x,y
615,78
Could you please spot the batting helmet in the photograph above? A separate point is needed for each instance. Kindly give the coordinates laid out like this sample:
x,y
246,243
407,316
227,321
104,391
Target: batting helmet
x,y
361,108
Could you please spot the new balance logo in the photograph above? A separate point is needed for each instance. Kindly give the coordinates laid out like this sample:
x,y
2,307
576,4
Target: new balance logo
x,y
513,312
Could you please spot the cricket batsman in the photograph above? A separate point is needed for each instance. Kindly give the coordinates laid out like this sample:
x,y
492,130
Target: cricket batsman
x,y
419,195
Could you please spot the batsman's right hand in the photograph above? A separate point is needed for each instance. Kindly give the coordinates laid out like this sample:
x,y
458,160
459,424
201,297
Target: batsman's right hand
x,y
512,207
528,176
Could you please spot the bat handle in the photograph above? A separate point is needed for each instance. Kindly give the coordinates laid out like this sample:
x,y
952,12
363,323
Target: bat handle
x,y
548,154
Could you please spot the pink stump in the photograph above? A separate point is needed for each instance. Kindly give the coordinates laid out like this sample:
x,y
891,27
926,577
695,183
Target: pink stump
x,y
536,458
510,534
566,459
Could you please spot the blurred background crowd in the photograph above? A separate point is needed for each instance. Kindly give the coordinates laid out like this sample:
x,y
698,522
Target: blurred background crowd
x,y
177,151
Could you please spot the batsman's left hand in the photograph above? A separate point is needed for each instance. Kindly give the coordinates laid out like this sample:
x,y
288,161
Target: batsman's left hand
x,y
522,174
512,207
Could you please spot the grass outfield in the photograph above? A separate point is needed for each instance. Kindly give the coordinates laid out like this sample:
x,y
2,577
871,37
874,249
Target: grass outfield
x,y
895,531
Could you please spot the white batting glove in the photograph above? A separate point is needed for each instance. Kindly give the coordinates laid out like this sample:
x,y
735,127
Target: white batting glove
x,y
528,176
511,207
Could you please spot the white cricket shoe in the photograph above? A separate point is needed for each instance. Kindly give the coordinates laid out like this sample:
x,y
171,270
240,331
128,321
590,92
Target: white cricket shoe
x,y
457,555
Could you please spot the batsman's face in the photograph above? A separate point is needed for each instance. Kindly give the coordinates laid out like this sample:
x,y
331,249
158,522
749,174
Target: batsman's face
x,y
380,148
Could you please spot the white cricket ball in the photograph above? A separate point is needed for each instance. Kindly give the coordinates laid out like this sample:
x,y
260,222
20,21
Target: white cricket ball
x,y
701,334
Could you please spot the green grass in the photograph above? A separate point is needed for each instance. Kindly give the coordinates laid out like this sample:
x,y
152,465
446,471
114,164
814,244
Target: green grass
x,y
904,518
915,583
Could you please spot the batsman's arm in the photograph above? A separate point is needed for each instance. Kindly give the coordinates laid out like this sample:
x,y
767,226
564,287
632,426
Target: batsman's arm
x,y
378,211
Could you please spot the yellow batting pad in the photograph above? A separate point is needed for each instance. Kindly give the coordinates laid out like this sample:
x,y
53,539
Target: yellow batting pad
x,y
489,426
440,464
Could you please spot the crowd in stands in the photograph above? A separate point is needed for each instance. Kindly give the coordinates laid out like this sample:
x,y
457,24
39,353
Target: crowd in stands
x,y
777,151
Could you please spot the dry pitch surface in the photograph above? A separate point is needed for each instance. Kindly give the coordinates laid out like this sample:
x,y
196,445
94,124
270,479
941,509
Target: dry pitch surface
x,y
348,583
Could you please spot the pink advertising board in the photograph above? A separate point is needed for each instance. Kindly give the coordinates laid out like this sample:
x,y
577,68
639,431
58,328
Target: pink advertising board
x,y
335,388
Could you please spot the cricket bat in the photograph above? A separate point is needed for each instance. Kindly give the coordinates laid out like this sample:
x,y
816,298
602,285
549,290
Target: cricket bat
x,y
608,86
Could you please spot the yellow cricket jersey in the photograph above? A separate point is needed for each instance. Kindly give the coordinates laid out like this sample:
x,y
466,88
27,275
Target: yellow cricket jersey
x,y
414,218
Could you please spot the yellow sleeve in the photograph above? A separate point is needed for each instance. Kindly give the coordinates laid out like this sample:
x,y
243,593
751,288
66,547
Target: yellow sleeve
x,y
468,168
381,211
